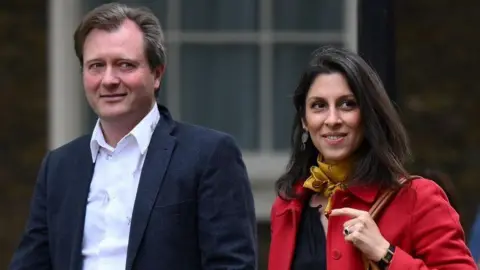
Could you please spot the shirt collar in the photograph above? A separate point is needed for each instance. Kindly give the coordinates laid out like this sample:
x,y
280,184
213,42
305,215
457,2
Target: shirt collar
x,y
142,133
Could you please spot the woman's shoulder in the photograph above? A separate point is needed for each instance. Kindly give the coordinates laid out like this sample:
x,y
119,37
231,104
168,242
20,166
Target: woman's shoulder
x,y
424,186
283,202
423,191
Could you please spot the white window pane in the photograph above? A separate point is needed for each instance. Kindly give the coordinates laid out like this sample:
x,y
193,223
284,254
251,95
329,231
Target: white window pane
x,y
219,89
308,15
289,63
219,14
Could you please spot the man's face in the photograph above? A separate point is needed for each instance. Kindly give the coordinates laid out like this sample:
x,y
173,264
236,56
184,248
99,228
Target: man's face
x,y
118,81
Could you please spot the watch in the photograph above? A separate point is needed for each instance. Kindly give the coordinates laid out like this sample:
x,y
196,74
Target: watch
x,y
387,259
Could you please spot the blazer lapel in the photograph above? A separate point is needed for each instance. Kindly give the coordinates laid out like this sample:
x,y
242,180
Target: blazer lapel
x,y
77,194
156,163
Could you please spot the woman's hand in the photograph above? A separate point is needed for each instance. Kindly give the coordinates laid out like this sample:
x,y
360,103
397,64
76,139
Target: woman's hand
x,y
363,232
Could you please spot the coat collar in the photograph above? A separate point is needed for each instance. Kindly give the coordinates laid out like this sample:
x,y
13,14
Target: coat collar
x,y
294,205
367,194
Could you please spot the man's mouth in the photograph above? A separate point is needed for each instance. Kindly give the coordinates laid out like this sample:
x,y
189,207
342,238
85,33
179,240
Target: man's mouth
x,y
113,95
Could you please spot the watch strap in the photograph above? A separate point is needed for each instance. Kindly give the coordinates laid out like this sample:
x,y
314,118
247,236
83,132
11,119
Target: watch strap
x,y
387,259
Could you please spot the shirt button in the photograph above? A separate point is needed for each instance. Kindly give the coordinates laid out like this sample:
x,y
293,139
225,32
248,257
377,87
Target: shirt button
x,y
106,198
336,254
109,156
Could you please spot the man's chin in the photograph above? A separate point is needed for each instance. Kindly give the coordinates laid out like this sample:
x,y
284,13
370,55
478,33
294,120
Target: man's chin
x,y
112,114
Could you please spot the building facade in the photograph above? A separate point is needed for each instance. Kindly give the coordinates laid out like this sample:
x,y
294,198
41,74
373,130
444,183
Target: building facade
x,y
262,46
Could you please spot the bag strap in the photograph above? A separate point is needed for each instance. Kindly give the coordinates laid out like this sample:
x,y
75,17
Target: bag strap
x,y
385,198
382,201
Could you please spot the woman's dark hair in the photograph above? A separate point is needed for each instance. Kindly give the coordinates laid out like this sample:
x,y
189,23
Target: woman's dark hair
x,y
380,158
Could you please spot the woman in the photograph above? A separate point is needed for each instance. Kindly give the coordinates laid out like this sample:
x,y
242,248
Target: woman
x,y
349,147
443,180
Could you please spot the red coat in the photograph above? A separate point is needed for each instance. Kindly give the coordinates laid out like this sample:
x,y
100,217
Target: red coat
x,y
419,221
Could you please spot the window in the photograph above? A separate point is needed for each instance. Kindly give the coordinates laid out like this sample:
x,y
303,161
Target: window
x,y
233,65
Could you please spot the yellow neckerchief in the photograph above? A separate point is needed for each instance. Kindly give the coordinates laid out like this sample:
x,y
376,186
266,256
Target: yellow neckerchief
x,y
326,179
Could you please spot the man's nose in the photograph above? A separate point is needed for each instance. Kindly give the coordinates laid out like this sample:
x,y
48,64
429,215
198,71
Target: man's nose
x,y
110,77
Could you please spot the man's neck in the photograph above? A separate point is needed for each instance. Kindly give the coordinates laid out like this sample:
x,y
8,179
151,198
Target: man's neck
x,y
115,129
113,132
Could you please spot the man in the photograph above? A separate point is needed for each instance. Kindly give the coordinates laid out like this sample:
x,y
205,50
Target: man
x,y
142,191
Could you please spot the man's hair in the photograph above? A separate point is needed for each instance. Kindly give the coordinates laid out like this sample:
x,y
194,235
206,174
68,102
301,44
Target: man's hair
x,y
110,17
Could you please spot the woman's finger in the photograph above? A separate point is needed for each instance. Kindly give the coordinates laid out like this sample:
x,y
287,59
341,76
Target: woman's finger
x,y
354,221
359,226
351,212
355,238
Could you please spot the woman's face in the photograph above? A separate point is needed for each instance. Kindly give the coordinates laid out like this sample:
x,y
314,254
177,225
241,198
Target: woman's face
x,y
332,118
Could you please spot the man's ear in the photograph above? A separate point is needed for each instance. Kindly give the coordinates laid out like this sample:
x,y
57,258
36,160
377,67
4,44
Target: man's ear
x,y
158,73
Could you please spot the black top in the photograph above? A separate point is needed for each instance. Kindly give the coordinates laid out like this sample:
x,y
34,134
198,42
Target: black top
x,y
310,250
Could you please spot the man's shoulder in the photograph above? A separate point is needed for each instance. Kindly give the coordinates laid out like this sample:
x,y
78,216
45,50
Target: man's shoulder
x,y
201,135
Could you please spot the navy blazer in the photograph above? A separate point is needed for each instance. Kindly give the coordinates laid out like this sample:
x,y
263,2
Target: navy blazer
x,y
193,210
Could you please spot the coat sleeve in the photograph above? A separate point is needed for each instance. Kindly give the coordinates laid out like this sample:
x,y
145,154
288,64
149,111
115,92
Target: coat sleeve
x,y
226,214
33,251
437,236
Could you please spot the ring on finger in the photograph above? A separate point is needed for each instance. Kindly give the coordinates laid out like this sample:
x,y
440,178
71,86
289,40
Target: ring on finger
x,y
346,231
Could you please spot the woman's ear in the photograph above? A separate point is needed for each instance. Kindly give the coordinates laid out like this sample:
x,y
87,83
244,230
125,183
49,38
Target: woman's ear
x,y
304,126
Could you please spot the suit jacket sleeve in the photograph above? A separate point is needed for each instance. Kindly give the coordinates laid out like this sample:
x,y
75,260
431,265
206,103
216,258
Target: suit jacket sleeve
x,y
436,233
33,250
226,214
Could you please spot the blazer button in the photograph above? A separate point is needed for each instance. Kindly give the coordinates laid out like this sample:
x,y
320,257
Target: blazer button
x,y
336,254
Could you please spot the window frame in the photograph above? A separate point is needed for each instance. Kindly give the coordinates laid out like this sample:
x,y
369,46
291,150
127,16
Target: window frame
x,y
266,163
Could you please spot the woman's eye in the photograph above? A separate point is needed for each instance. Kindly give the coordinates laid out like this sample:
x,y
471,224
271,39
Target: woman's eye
x,y
318,105
348,104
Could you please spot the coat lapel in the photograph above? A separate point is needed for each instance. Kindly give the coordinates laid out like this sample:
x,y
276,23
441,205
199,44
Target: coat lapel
x,y
77,194
285,233
156,163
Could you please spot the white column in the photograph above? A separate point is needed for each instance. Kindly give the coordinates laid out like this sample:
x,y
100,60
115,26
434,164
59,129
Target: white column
x,y
66,103
351,25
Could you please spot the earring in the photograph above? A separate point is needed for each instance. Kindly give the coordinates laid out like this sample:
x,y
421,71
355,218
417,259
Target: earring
x,y
304,139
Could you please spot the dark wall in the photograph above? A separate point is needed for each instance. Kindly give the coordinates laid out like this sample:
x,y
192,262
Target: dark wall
x,y
23,105
437,52
427,53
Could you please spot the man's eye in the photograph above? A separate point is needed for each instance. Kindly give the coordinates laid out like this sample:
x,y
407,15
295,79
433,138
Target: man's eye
x,y
95,66
126,65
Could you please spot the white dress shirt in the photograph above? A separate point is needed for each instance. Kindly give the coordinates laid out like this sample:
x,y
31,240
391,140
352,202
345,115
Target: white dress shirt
x,y
112,194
